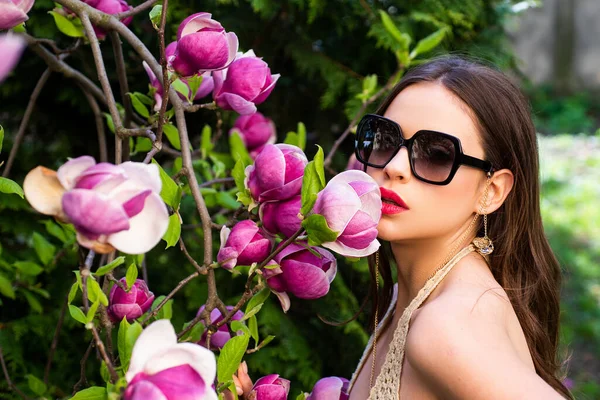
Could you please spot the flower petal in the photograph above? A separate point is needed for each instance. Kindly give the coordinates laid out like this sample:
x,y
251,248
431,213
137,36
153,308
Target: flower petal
x,y
231,101
44,191
346,251
146,176
11,46
145,229
94,213
143,390
337,203
70,171
304,280
195,22
267,91
284,299
135,205
155,339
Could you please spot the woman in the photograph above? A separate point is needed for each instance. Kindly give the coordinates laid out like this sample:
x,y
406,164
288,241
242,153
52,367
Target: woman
x,y
454,151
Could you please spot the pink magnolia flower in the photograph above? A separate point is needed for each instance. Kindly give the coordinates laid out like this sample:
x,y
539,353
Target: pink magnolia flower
x,y
222,335
11,48
301,272
14,12
244,244
256,132
203,45
111,7
111,206
270,387
276,173
206,87
331,388
130,304
245,84
162,369
281,216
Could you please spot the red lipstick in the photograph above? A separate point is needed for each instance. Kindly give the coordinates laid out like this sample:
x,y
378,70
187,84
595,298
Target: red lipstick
x,y
391,202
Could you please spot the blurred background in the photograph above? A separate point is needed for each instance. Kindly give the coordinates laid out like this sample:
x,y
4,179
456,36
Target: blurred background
x,y
323,49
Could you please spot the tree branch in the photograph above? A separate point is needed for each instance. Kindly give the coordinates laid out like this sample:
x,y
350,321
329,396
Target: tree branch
x,y
82,379
7,376
25,121
137,9
99,124
180,285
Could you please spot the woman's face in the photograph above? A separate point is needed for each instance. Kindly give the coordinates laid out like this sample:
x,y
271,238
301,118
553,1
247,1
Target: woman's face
x,y
433,211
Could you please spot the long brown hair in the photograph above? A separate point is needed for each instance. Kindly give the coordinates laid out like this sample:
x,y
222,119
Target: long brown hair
x,y
523,262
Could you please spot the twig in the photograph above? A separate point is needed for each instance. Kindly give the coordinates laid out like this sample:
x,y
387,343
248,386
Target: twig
x,y
136,10
166,83
25,121
99,124
358,115
181,284
248,293
82,379
54,344
124,86
200,269
216,181
57,65
208,106
7,376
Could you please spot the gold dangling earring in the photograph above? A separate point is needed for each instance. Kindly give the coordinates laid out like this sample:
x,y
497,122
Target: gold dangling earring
x,y
484,244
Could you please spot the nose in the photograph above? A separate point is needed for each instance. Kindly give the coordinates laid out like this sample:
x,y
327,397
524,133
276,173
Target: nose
x,y
399,166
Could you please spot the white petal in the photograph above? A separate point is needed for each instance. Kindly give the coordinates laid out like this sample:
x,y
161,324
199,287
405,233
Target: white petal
x,y
145,229
44,191
199,358
145,176
158,337
346,251
69,171
224,234
284,299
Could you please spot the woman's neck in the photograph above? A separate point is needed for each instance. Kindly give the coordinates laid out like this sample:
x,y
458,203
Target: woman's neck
x,y
417,260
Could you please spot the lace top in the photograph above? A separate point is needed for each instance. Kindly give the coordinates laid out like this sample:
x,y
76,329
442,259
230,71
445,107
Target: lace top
x,y
387,384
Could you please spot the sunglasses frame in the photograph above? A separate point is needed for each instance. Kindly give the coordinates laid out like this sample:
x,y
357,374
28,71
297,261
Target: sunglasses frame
x,y
459,159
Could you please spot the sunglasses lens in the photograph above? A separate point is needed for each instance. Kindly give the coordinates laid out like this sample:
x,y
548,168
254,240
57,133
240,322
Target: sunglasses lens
x,y
377,141
433,156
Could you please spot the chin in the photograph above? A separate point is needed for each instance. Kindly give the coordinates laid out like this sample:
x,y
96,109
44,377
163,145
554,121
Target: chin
x,y
390,231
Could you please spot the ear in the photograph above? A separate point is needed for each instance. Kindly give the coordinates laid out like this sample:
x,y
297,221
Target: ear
x,y
501,183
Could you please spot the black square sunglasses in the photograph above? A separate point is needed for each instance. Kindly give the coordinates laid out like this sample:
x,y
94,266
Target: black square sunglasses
x,y
434,156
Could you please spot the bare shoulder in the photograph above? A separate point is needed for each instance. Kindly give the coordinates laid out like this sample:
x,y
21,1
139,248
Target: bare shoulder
x,y
462,343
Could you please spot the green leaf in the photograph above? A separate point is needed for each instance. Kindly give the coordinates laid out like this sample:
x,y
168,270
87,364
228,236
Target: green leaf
x,y
6,287
238,148
7,186
239,326
239,175
301,396
28,268
195,334
103,270
67,26
231,356
267,340
194,83
1,137
166,312
429,43
73,292
131,275
33,301
291,138
36,385
253,311
258,299
56,230
94,292
143,98
109,122
77,314
91,393
181,88
173,232
301,136
253,326
403,39
226,200
172,134
170,192
143,144
43,248
206,145
92,311
155,15
128,334
318,231
312,182
139,107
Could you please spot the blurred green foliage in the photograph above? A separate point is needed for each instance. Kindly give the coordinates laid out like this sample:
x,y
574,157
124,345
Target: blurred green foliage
x,y
323,49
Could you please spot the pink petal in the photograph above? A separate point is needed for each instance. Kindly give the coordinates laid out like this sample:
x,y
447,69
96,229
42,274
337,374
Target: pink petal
x,y
93,213
143,390
100,174
227,257
135,205
69,172
146,228
196,22
269,170
246,77
201,51
177,383
284,300
359,232
231,101
11,15
347,251
331,388
337,203
118,311
11,46
267,91
256,251
304,280
206,87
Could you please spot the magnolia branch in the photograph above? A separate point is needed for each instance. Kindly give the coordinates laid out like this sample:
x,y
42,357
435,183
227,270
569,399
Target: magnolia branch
x,y
179,286
137,9
25,121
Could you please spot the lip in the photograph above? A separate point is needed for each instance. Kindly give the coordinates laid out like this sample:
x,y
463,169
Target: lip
x,y
391,208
